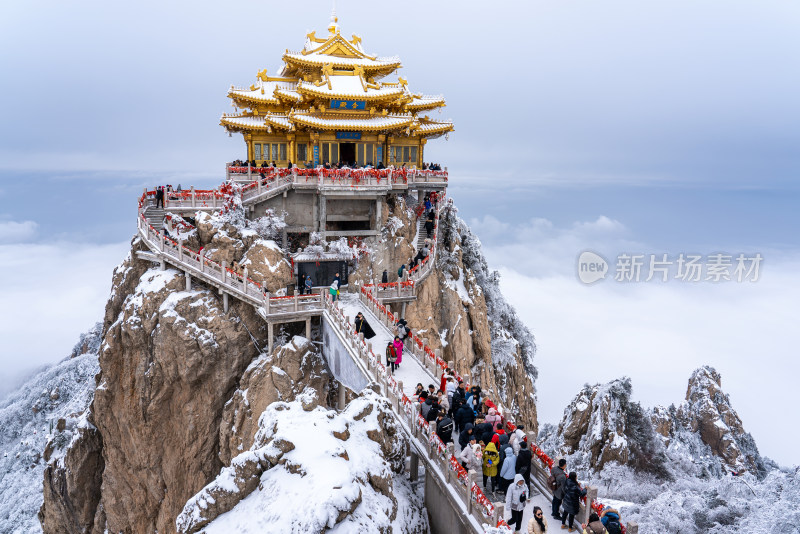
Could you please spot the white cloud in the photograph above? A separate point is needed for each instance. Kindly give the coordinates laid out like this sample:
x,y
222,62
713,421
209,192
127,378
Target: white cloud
x,y
50,294
540,248
17,232
656,333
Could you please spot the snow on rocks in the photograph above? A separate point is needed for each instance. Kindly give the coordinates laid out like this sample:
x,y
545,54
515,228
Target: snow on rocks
x,y
292,369
36,427
312,471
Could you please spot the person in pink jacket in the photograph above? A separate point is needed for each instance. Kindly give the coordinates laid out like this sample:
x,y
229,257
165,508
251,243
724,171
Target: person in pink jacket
x,y
494,419
398,347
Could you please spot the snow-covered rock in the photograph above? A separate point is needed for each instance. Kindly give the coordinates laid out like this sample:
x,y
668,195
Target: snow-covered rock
x,y
292,369
601,426
313,471
266,264
37,422
707,411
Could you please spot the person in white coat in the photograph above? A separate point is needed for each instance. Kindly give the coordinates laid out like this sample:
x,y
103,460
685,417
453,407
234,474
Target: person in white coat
x,y
516,438
471,456
516,499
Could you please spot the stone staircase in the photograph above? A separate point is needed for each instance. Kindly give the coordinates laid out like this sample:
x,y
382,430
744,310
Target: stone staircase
x,y
155,216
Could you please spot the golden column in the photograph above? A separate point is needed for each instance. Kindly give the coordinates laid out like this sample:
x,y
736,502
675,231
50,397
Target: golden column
x,y
292,156
249,140
421,148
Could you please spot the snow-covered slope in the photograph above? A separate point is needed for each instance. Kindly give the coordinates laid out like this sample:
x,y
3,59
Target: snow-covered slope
x,y
312,469
28,417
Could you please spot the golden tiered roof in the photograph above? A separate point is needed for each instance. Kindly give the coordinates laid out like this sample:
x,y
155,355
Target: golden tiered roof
x,y
333,84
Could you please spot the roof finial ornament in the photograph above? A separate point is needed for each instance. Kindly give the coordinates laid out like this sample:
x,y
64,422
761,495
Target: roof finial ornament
x,y
333,27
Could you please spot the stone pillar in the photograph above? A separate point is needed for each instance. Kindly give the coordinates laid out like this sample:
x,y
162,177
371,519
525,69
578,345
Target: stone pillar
x,y
632,527
188,278
468,494
163,265
308,328
323,215
270,332
377,213
499,513
413,466
591,496
315,215
340,402
403,310
225,302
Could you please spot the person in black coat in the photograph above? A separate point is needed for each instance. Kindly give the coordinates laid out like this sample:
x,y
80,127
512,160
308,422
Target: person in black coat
x,y
363,327
429,227
523,466
465,415
385,277
444,428
466,435
484,432
433,412
572,495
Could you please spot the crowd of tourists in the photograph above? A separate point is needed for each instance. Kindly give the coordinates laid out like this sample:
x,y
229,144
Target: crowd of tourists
x,y
328,165
468,419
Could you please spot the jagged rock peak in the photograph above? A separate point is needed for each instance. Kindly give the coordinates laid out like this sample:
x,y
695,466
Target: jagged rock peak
x,y
602,425
708,411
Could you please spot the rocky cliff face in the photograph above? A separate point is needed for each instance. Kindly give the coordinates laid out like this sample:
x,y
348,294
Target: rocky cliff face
x,y
701,437
169,362
461,310
178,400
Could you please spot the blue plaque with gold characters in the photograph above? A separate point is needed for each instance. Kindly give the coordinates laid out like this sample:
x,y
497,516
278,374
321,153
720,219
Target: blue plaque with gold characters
x,y
348,104
348,135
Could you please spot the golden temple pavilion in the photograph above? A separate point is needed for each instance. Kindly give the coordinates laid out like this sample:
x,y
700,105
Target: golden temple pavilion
x,y
334,103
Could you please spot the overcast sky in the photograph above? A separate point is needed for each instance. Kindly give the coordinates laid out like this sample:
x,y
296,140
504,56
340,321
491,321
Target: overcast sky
x,y
651,127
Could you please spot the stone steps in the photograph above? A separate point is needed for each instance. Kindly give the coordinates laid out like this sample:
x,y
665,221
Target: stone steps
x,y
155,216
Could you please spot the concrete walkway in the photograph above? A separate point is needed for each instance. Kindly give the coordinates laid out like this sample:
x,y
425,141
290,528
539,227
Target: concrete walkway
x,y
410,371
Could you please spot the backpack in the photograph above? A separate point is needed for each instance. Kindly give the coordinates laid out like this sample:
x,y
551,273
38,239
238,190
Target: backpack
x,y
551,482
613,527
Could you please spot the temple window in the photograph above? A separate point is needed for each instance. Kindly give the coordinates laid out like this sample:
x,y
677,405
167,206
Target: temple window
x,y
257,151
302,155
330,153
282,148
